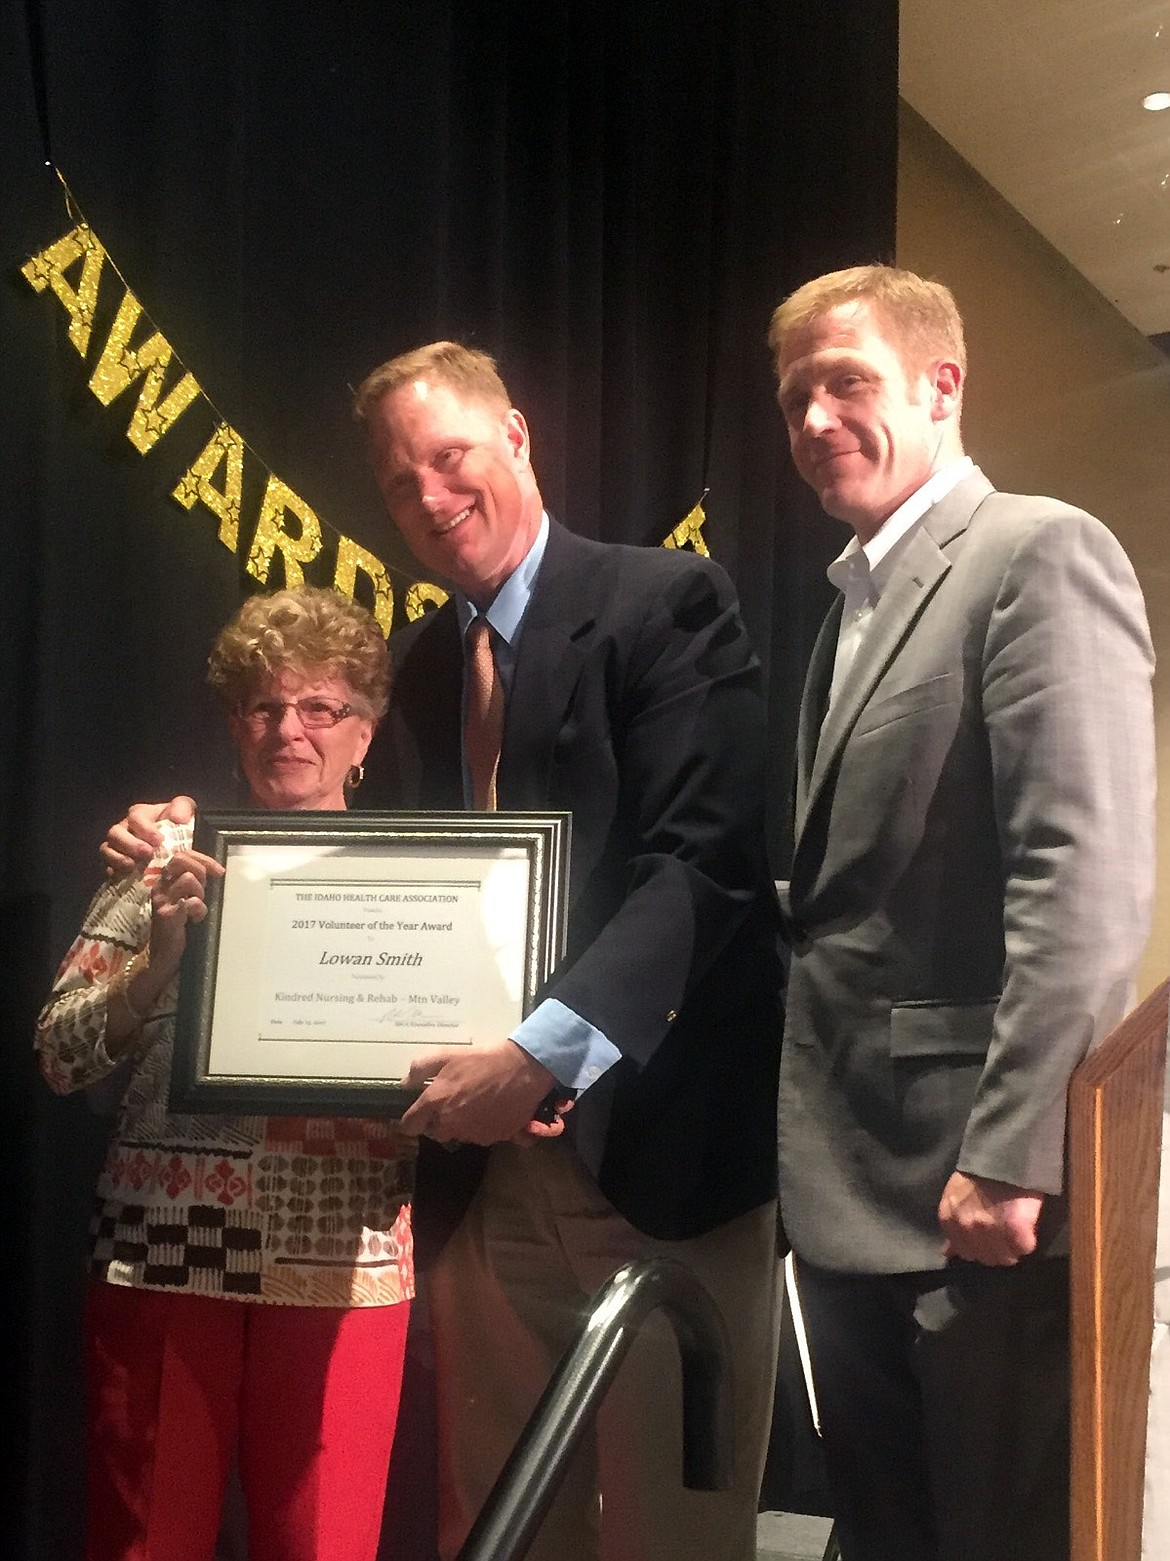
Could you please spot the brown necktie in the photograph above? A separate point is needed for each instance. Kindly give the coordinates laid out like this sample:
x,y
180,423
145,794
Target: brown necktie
x,y
485,715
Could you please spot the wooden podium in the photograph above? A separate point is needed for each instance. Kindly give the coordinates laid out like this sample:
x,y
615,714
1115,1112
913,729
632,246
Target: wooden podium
x,y
1115,1132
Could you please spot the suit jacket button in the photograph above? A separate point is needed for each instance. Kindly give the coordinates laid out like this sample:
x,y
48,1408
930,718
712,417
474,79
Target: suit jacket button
x,y
671,1016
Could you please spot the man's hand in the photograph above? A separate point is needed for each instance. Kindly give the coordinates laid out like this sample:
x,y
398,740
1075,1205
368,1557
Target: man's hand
x,y
537,1129
133,840
481,1095
988,1222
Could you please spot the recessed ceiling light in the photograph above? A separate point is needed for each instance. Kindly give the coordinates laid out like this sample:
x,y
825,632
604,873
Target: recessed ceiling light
x,y
1156,100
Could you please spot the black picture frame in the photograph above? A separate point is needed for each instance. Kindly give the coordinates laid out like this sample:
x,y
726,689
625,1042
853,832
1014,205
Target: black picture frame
x,y
225,1061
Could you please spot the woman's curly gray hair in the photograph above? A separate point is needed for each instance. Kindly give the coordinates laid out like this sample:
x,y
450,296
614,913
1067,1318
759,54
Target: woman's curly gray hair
x,y
307,628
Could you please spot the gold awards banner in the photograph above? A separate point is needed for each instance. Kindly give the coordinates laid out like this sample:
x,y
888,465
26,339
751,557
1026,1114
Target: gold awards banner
x,y
73,269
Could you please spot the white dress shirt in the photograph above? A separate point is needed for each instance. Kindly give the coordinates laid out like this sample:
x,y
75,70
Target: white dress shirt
x,y
863,570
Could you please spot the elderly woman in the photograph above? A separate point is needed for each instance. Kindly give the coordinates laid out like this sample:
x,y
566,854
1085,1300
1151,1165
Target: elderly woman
x,y
250,1277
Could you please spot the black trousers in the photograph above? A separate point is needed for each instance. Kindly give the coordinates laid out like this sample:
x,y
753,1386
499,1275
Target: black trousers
x,y
944,1407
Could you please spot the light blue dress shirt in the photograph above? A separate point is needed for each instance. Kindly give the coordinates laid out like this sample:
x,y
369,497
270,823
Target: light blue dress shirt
x,y
573,1051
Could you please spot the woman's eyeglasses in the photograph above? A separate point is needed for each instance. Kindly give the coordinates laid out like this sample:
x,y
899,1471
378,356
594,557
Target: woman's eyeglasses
x,y
313,714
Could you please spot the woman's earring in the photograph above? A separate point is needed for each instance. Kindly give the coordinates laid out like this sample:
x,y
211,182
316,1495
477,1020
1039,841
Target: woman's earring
x,y
357,774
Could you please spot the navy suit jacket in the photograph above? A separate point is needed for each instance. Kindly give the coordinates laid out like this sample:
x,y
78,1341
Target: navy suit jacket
x,y
637,706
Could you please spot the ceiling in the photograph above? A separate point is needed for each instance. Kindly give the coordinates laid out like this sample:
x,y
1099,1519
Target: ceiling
x,y
1044,99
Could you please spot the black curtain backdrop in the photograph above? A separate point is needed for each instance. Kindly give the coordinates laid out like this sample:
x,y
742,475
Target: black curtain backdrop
x,y
611,200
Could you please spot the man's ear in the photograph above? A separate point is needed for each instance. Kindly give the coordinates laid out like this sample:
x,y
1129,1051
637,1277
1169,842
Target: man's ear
x,y
516,433
947,383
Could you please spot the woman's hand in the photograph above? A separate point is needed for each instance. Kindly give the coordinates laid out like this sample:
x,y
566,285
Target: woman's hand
x,y
177,896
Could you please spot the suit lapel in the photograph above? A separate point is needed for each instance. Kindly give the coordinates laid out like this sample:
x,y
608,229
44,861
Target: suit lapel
x,y
813,703
553,646
426,712
915,579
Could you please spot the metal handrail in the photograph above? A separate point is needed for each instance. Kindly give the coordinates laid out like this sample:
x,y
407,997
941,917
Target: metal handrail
x,y
529,1479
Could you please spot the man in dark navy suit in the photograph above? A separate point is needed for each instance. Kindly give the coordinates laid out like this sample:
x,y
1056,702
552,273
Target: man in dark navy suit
x,y
632,699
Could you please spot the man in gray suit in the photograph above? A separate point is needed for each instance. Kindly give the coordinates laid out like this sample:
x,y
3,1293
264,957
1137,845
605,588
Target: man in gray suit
x,y
970,892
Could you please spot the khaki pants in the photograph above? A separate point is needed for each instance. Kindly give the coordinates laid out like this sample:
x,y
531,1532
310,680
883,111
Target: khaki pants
x,y
507,1298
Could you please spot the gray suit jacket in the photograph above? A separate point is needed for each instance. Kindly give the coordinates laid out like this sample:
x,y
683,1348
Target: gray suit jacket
x,y
972,874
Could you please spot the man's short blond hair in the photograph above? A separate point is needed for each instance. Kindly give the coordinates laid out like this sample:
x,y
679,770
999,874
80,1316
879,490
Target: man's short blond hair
x,y
472,374
920,317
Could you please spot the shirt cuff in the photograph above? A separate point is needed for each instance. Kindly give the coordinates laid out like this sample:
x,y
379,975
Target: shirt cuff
x,y
569,1047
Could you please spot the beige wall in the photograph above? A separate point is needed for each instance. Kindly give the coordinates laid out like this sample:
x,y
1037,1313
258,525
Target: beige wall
x,y
1065,397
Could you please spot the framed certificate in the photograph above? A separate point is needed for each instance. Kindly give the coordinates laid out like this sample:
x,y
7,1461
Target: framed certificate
x,y
338,946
